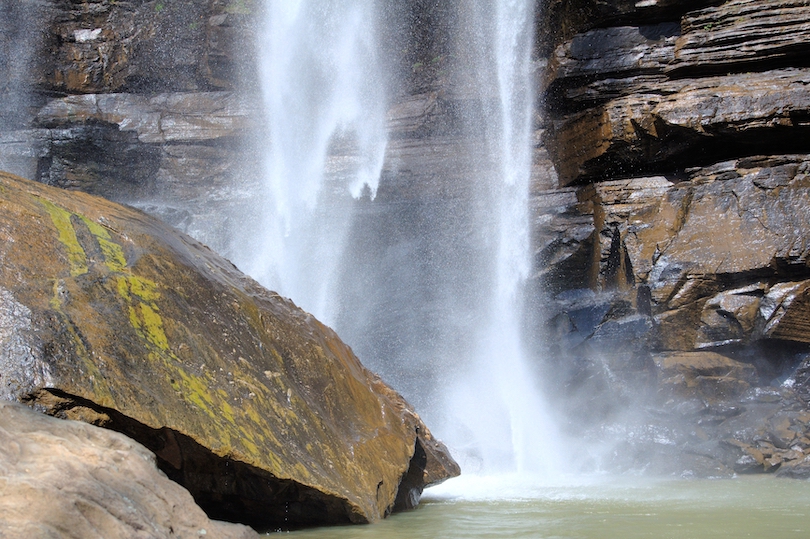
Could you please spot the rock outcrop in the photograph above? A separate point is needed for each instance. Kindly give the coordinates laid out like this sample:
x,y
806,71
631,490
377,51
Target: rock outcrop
x,y
675,229
260,411
668,187
68,479
152,103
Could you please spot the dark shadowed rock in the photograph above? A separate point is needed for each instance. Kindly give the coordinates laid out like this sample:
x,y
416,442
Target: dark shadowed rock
x,y
104,45
66,479
561,20
251,403
615,51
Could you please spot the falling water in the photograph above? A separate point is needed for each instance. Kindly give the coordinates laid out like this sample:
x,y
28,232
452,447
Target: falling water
x,y
428,292
322,90
496,399
21,29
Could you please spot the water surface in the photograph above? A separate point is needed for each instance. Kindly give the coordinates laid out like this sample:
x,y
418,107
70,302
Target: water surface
x,y
604,508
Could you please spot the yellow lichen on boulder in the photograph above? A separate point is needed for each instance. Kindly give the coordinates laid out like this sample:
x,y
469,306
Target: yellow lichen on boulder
x,y
121,314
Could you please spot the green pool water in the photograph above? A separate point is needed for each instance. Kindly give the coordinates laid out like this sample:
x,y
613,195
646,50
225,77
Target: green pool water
x,y
598,507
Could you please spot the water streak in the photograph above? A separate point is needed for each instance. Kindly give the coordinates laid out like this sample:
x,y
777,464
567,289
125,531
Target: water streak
x,y
322,88
508,425
441,282
21,42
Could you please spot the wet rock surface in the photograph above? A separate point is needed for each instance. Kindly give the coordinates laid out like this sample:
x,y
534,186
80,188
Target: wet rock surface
x,y
676,223
151,103
259,410
69,479
668,186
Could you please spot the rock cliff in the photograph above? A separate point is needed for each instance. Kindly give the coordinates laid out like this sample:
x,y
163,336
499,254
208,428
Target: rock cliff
x,y
675,229
669,191
149,102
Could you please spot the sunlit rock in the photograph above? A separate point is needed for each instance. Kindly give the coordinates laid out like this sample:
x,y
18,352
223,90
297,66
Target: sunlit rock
x,y
769,31
252,404
72,480
645,130
684,240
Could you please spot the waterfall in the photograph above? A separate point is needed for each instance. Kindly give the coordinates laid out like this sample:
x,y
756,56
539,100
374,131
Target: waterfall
x,y
322,89
428,291
21,29
507,427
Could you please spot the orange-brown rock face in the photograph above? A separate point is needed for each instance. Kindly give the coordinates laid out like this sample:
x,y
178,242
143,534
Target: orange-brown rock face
x,y
662,90
257,408
682,132
674,244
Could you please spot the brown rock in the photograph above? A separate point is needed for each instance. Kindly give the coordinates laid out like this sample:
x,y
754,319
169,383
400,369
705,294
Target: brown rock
x,y
730,317
99,46
781,434
641,131
684,240
752,232
68,479
796,469
752,208
786,311
705,375
112,311
739,33
627,210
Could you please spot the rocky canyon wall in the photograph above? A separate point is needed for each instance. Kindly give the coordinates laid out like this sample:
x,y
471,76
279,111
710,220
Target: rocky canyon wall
x,y
672,240
669,192
153,103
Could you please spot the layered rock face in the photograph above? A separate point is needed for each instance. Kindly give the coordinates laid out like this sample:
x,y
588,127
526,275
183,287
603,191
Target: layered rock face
x,y
152,103
668,193
674,246
260,411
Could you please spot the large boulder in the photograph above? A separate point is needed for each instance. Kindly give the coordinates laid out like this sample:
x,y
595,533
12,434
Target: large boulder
x,y
66,479
108,315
